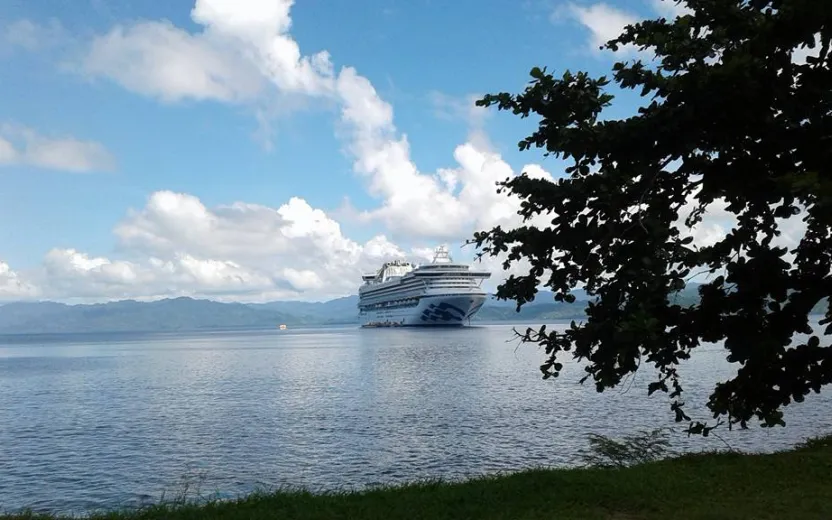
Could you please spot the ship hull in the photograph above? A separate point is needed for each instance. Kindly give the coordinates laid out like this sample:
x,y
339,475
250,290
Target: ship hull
x,y
429,311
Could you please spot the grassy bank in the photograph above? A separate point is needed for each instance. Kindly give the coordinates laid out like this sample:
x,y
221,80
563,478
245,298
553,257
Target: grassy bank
x,y
796,484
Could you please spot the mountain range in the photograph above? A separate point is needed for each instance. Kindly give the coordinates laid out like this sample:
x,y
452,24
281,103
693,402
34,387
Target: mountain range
x,y
188,314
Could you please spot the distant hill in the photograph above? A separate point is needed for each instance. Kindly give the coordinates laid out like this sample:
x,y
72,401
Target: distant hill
x,y
164,315
339,310
188,314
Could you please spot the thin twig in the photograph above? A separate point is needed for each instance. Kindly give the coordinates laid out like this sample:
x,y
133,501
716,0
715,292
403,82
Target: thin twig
x,y
730,448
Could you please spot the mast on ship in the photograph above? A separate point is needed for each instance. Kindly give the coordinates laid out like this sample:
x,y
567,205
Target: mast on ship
x,y
441,254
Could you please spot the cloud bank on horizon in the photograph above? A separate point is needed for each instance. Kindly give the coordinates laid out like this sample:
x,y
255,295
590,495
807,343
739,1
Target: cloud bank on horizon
x,y
244,56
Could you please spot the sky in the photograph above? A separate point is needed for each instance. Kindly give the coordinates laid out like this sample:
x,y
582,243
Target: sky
x,y
256,150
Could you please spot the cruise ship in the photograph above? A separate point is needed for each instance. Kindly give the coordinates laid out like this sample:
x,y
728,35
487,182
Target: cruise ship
x,y
405,294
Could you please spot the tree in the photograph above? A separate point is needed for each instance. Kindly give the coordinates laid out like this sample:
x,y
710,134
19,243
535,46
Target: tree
x,y
728,115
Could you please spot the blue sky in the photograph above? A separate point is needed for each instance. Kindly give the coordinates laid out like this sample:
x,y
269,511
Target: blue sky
x,y
131,130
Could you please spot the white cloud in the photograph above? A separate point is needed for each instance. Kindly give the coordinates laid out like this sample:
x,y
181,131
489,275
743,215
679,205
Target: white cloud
x,y
71,274
175,245
68,154
252,19
606,22
56,153
254,35
671,9
800,54
603,21
715,224
13,286
159,59
294,248
240,49
447,205
8,154
31,36
463,109
261,28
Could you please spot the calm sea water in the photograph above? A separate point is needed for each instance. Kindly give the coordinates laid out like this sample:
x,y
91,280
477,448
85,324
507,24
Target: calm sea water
x,y
91,422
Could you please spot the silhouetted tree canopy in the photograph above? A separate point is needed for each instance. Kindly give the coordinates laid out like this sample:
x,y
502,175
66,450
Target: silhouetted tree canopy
x,y
730,114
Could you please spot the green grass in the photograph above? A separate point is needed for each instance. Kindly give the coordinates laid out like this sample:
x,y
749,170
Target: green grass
x,y
796,484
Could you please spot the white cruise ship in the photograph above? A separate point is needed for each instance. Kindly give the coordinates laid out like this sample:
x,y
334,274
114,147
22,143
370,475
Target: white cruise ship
x,y
405,294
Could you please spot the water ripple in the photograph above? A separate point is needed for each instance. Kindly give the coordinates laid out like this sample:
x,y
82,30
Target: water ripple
x,y
92,424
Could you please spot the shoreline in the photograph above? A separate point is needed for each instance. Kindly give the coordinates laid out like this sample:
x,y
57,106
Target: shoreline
x,y
794,483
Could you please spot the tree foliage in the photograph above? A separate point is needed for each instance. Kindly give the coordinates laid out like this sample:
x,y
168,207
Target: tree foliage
x,y
729,115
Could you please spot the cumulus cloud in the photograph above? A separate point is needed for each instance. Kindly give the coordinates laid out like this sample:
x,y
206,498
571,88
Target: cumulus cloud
x,y
603,21
448,204
243,41
716,222
242,47
71,274
24,146
13,286
244,54
175,245
159,59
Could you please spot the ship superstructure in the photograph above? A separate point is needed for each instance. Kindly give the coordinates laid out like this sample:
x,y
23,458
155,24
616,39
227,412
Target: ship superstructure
x,y
439,293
